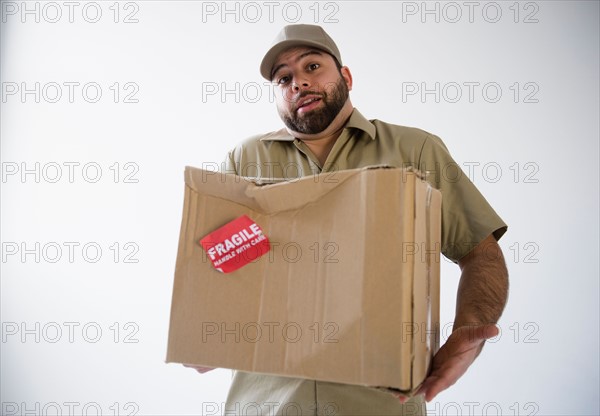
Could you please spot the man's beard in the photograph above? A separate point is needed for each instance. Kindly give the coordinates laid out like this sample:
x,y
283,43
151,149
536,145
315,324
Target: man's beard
x,y
317,120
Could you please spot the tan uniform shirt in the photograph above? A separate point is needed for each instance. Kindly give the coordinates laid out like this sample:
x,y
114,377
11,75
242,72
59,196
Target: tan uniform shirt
x,y
467,218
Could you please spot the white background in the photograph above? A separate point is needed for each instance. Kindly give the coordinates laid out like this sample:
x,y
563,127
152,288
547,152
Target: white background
x,y
534,155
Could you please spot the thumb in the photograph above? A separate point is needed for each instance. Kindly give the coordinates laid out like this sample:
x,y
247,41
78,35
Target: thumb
x,y
489,331
478,333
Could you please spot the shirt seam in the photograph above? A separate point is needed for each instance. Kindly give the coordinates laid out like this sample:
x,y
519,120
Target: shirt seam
x,y
421,152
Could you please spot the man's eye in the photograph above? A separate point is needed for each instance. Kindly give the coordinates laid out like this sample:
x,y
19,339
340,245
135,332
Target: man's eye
x,y
283,80
312,67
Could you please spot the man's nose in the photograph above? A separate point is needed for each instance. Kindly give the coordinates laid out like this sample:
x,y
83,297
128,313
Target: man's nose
x,y
297,85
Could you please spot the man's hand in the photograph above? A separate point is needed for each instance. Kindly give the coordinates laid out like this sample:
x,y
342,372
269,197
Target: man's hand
x,y
481,297
199,369
455,356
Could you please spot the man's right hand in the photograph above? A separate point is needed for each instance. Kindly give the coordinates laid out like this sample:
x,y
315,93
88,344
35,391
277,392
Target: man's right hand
x,y
201,370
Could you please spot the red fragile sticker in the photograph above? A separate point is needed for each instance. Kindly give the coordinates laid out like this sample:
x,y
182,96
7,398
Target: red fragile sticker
x,y
235,244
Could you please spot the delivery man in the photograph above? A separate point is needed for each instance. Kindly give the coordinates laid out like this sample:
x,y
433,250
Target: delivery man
x,y
323,133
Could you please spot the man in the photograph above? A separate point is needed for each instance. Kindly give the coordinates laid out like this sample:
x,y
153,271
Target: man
x,y
324,132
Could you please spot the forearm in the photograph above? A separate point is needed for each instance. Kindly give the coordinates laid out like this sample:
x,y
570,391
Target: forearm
x,y
483,288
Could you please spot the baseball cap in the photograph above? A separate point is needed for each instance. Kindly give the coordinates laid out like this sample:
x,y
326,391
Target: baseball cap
x,y
298,35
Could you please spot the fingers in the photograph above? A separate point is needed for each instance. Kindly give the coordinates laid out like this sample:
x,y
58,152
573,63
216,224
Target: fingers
x,y
444,376
435,384
199,369
455,357
401,397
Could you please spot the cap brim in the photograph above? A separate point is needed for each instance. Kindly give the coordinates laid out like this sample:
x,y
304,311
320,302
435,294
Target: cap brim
x,y
270,57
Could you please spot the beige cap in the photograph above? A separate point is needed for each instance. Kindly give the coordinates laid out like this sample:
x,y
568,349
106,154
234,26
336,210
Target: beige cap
x,y
298,35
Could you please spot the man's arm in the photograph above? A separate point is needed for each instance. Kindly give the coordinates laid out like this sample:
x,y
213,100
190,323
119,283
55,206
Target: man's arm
x,y
483,287
481,297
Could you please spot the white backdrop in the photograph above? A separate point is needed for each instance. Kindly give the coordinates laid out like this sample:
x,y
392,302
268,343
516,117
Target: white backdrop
x,y
104,103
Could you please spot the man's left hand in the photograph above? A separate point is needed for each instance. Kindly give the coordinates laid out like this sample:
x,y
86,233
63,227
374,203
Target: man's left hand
x,y
455,356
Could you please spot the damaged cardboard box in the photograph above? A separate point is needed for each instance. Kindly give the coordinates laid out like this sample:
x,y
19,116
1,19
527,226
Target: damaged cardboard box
x,y
347,292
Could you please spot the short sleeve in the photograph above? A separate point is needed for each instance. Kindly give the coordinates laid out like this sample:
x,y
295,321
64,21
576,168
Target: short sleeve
x,y
467,217
229,165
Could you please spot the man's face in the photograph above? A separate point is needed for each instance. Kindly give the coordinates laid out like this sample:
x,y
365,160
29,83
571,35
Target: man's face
x,y
309,89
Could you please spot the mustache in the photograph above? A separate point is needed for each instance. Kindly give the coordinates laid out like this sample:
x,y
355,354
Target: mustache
x,y
303,94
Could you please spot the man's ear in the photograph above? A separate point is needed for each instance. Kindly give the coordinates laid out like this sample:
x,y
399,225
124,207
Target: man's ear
x,y
347,76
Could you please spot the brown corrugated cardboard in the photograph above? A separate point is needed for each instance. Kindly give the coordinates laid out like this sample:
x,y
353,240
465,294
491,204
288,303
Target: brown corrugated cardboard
x,y
349,291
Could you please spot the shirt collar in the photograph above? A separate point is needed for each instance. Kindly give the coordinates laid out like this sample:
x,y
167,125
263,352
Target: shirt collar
x,y
356,120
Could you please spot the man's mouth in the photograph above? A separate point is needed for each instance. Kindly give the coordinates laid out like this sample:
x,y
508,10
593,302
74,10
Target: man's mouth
x,y
307,103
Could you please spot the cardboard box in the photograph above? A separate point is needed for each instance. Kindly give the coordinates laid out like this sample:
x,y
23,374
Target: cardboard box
x,y
349,291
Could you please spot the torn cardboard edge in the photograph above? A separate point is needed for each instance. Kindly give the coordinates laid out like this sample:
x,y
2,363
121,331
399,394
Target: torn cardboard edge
x,y
266,181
